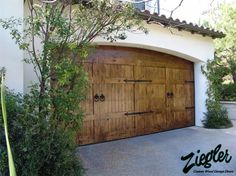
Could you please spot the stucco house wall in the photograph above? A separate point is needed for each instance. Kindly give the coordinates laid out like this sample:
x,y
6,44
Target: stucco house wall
x,y
10,56
230,106
193,47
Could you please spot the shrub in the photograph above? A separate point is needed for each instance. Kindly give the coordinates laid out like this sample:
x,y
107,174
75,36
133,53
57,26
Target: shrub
x,y
13,102
216,117
228,92
38,148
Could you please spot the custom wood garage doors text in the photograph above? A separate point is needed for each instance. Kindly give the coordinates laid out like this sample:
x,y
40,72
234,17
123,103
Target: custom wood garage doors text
x,y
135,92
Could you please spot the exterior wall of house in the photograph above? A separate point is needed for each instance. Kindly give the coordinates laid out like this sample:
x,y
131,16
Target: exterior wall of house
x,y
28,70
230,106
193,47
10,55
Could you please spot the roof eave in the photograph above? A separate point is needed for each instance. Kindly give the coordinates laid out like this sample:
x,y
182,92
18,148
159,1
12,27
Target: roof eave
x,y
180,25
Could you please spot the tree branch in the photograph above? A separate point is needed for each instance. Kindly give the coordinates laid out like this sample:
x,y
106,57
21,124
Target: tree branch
x,y
178,6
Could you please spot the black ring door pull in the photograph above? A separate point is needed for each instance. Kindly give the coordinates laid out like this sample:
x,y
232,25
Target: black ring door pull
x,y
170,94
96,97
102,97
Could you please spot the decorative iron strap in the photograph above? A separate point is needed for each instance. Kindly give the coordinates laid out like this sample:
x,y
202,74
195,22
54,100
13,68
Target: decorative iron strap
x,y
138,113
189,81
137,80
191,107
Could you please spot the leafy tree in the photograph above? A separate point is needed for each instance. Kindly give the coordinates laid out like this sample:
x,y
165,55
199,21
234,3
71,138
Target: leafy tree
x,y
57,38
223,18
226,47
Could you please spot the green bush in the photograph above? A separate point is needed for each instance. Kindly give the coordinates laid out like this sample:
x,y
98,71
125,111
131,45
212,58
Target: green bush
x,y
228,92
216,117
38,148
13,104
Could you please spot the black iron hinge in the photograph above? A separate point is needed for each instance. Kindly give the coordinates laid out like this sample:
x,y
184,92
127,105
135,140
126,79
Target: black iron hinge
x,y
137,80
138,113
189,81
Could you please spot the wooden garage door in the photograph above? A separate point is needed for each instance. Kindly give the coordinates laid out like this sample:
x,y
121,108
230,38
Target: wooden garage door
x,y
135,92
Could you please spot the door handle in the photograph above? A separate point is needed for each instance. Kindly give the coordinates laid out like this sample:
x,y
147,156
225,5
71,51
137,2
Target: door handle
x,y
170,94
102,97
96,97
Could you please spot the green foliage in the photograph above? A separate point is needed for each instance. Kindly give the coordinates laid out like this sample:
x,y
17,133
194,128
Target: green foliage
x,y
5,125
5,138
66,30
222,70
224,19
41,150
45,121
216,116
226,47
38,147
13,102
215,74
228,92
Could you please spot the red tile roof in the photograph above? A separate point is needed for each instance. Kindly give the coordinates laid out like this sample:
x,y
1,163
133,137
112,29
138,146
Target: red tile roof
x,y
180,25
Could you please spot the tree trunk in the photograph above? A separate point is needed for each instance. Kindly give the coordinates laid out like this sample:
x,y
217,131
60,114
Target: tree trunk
x,y
234,77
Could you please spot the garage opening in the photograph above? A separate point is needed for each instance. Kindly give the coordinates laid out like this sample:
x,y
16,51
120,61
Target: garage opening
x,y
135,92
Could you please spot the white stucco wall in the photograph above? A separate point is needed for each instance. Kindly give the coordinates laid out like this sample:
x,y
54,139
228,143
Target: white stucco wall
x,y
10,55
193,47
230,106
29,74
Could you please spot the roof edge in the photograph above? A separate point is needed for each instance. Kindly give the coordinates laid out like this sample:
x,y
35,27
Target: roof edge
x,y
180,25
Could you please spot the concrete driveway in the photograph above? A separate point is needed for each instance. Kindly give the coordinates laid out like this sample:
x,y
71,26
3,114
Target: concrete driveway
x,y
160,154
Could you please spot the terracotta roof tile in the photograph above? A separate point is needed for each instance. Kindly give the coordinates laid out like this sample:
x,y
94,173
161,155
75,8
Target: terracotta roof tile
x,y
180,25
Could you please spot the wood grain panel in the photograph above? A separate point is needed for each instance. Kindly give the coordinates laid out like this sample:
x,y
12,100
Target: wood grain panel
x,y
155,74
179,97
111,122
107,73
180,83
86,134
150,97
189,97
114,126
150,123
118,98
133,56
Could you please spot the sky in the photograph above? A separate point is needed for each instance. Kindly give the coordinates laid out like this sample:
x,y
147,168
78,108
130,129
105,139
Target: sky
x,y
190,10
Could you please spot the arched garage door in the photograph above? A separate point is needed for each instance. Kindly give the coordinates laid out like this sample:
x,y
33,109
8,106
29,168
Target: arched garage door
x,y
135,92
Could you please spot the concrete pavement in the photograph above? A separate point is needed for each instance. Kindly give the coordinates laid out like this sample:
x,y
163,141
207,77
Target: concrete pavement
x,y
160,154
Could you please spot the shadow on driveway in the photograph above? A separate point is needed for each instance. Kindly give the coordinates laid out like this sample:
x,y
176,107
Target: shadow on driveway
x,y
159,154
